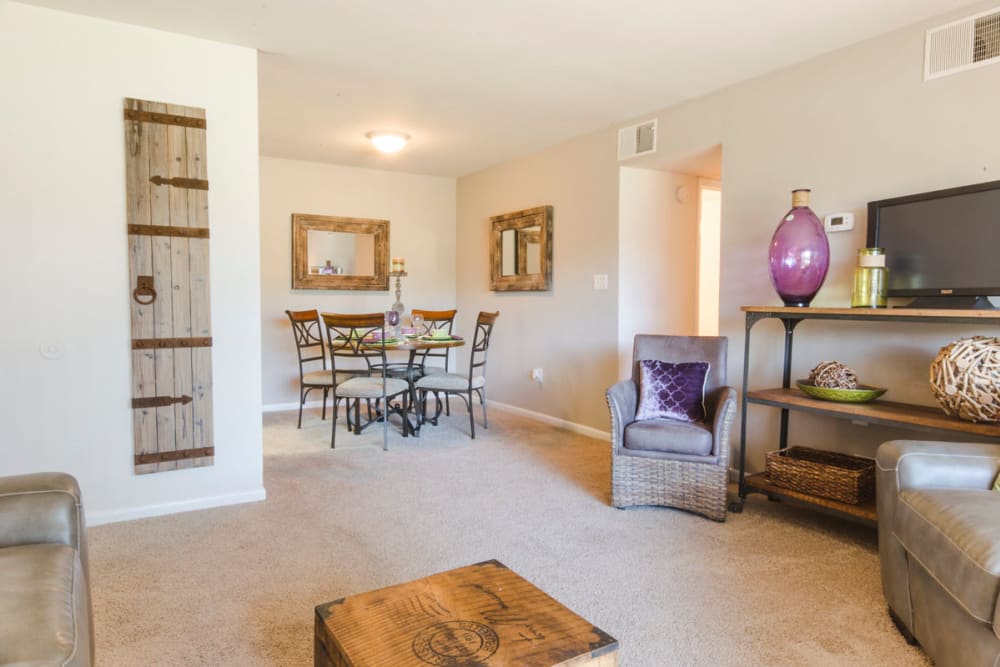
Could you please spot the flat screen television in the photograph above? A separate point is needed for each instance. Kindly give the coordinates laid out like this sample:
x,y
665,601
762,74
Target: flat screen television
x,y
942,247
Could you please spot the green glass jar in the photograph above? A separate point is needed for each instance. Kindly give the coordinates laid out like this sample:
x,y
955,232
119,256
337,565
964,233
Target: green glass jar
x,y
871,278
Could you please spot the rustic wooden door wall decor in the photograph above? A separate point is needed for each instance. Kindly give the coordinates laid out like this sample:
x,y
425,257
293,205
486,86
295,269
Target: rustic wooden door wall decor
x,y
167,190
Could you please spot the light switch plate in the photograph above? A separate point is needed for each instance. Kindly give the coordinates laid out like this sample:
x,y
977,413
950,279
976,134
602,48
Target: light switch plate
x,y
600,281
839,222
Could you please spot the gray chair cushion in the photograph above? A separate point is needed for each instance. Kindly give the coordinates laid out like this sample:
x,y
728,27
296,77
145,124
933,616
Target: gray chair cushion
x,y
449,382
366,387
44,607
955,535
668,435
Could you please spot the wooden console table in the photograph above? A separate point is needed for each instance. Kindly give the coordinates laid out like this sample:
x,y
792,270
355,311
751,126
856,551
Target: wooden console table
x,y
902,415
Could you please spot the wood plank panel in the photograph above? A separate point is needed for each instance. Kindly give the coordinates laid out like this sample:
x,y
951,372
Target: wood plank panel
x,y
159,201
180,271
140,264
197,168
167,182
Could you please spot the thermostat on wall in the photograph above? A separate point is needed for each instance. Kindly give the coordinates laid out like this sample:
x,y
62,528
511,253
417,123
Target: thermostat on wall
x,y
838,222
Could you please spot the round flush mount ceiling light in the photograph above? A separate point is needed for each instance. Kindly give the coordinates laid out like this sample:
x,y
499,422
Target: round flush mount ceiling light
x,y
387,142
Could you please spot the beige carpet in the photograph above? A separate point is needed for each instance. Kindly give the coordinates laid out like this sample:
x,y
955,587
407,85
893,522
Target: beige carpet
x,y
237,585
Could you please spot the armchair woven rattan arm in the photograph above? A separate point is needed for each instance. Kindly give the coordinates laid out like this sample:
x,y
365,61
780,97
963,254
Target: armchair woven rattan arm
x,y
720,407
622,398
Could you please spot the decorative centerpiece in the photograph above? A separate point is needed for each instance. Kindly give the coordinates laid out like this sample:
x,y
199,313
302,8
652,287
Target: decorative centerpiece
x,y
834,381
965,379
799,255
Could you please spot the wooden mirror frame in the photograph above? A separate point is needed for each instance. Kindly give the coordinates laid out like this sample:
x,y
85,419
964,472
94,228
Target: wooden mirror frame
x,y
518,220
303,223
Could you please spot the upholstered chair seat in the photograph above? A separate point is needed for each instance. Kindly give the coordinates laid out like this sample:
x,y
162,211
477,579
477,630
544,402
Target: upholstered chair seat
x,y
670,437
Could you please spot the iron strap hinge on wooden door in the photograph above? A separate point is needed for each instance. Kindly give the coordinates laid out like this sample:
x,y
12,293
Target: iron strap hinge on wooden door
x,y
159,401
178,182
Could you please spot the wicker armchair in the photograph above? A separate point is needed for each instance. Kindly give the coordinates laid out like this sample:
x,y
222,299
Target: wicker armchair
x,y
666,462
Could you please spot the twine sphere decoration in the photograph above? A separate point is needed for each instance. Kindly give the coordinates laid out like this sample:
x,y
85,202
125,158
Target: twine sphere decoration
x,y
965,379
833,375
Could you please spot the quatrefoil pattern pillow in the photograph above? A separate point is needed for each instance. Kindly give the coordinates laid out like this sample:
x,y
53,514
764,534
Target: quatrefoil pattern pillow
x,y
674,391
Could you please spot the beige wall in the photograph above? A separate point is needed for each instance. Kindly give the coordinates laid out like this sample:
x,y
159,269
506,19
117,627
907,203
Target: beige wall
x,y
571,330
657,257
64,255
854,125
421,213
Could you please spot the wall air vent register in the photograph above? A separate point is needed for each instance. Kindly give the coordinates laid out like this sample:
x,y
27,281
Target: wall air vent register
x,y
968,43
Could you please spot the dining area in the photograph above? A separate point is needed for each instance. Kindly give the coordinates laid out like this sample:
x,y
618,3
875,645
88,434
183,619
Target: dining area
x,y
389,369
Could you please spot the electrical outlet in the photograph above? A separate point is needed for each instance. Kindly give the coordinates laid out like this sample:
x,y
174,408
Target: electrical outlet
x,y
536,375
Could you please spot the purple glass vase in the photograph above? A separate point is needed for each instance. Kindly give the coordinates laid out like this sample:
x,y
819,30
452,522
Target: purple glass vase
x,y
799,254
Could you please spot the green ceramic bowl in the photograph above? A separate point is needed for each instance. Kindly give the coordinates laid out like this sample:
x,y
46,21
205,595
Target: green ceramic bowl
x,y
862,394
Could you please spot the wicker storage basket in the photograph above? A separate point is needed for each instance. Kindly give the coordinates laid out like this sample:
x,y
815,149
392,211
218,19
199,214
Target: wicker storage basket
x,y
849,479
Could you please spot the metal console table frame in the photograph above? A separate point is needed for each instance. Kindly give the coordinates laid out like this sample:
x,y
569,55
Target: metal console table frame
x,y
886,413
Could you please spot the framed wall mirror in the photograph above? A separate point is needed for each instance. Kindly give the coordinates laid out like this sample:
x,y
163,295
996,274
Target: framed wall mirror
x,y
336,253
521,250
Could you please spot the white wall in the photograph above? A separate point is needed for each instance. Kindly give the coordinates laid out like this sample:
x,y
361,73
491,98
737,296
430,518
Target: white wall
x,y
709,250
64,263
421,214
657,257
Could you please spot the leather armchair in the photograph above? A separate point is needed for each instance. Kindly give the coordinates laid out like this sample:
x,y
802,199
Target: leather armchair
x,y
666,462
45,613
939,547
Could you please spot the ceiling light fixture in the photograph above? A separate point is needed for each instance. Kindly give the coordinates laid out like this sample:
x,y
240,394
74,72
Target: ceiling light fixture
x,y
387,142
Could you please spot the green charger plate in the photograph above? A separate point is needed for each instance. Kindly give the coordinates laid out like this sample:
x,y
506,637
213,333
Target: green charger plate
x,y
863,394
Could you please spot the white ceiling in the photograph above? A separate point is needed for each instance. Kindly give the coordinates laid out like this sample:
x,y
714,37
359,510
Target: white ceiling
x,y
477,82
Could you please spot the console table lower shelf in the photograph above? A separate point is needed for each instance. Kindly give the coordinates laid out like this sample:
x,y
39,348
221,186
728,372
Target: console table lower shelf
x,y
862,513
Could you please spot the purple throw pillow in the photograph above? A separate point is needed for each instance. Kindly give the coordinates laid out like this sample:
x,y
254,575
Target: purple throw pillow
x,y
674,391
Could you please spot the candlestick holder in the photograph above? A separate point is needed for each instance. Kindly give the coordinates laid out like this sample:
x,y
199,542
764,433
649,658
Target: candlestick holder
x,y
398,306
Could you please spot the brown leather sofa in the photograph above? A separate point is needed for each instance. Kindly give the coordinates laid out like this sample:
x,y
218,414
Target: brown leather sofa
x,y
939,546
45,614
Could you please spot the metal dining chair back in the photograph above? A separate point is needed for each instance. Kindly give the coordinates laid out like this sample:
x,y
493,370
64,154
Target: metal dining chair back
x,y
309,346
464,386
353,337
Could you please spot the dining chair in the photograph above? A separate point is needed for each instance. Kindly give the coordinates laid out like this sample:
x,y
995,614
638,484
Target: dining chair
x,y
436,319
309,345
462,386
670,425
352,337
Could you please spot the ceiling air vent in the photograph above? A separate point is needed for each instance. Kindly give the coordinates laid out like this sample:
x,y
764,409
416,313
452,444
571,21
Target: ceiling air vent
x,y
962,45
637,140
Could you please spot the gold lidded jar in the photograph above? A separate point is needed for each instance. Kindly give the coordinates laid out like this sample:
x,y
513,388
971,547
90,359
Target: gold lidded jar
x,y
871,277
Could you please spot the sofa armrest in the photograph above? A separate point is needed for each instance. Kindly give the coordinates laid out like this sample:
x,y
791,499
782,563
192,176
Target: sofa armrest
x,y
720,408
622,398
921,464
41,508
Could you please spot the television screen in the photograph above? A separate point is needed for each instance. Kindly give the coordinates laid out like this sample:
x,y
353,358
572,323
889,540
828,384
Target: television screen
x,y
940,243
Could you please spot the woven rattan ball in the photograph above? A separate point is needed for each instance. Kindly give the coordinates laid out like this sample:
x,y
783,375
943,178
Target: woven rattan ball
x,y
965,378
833,375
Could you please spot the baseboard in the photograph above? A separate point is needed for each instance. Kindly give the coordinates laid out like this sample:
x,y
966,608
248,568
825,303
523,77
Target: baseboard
x,y
145,511
555,421
280,407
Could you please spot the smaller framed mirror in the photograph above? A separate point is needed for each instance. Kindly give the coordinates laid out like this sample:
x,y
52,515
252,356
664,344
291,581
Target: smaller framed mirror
x,y
521,250
334,253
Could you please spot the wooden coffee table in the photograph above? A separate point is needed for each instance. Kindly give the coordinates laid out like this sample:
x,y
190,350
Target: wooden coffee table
x,y
482,615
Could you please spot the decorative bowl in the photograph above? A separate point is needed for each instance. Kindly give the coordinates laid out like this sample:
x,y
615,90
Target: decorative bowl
x,y
863,394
